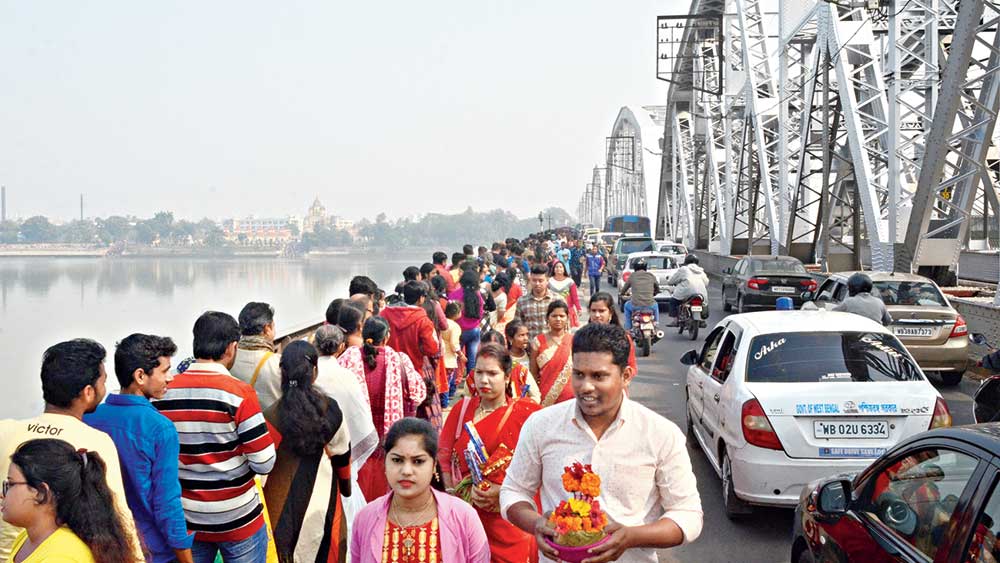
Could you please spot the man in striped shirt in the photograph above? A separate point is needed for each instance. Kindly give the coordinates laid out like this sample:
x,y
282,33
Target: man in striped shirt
x,y
224,445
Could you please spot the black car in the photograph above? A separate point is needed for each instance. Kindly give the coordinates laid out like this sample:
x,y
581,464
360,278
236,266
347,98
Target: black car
x,y
933,497
756,282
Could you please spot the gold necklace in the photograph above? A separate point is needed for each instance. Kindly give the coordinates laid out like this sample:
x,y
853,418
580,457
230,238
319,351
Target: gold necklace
x,y
420,515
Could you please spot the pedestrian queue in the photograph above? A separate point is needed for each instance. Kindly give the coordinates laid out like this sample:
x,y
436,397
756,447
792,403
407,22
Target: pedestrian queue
x,y
427,424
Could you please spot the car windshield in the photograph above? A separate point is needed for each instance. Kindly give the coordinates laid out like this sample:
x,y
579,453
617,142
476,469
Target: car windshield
x,y
922,294
768,266
815,357
657,263
635,245
673,248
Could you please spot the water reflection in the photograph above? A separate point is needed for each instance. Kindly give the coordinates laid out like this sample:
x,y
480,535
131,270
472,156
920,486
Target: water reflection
x,y
43,301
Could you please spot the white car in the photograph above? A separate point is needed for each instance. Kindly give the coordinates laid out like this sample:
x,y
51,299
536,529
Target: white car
x,y
675,249
777,399
660,264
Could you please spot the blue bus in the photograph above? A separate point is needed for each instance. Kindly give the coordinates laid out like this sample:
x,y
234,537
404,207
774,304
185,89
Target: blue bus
x,y
628,224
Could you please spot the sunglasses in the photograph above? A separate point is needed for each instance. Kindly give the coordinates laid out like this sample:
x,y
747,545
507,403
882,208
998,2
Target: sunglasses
x,y
7,484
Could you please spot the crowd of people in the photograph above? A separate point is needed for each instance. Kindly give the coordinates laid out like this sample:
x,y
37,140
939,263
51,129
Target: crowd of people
x,y
350,443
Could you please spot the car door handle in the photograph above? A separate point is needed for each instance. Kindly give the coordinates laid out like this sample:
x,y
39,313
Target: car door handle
x,y
716,397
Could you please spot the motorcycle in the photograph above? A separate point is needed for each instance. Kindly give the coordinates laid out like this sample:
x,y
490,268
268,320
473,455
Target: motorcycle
x,y
986,401
691,316
645,333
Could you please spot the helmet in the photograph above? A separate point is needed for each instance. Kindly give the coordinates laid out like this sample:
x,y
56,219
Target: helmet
x,y
859,283
690,259
639,264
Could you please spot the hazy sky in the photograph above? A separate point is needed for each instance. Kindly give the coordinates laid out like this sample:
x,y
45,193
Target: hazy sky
x,y
226,108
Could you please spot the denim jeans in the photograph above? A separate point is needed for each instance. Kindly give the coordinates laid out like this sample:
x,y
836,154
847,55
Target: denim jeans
x,y
250,550
629,309
595,284
470,344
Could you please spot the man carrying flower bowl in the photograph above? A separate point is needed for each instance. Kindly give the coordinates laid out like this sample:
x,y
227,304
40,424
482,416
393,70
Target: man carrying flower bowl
x,y
648,488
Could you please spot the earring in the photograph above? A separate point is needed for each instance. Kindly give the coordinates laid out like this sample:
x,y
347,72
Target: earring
x,y
437,477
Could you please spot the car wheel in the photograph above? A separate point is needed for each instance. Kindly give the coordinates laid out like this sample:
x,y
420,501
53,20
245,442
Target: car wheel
x,y
740,307
951,378
725,302
733,505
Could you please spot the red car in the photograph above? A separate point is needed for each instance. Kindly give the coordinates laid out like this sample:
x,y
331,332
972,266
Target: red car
x,y
934,497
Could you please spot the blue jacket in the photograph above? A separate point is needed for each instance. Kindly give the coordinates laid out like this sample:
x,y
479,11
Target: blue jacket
x,y
594,264
148,451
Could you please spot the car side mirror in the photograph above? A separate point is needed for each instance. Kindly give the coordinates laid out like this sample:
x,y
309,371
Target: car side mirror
x,y
979,338
834,498
690,358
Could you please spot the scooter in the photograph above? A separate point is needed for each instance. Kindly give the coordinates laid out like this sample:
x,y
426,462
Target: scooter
x,y
691,316
986,401
645,333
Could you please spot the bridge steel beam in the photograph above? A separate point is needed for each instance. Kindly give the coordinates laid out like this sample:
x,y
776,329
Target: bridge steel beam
x,y
957,149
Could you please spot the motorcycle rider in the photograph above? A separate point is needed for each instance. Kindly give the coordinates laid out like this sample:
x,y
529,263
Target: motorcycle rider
x,y
862,302
644,289
689,280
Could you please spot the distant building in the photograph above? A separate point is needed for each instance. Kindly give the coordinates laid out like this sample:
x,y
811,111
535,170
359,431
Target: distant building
x,y
315,217
261,230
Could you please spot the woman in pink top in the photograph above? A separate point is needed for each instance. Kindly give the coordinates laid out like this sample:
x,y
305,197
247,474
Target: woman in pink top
x,y
472,313
414,523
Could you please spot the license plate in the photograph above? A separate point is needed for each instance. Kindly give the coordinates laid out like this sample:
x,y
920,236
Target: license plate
x,y
919,331
850,429
695,309
782,289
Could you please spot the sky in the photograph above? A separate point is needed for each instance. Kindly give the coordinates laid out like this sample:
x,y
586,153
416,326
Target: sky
x,y
229,108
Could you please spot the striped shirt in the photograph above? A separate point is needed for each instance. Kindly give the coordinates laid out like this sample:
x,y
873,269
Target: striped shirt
x,y
224,444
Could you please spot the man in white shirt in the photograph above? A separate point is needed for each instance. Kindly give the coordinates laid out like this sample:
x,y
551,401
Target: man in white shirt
x,y
648,488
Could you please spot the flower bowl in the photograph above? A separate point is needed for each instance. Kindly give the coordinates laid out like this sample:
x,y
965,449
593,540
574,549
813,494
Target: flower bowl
x,y
571,554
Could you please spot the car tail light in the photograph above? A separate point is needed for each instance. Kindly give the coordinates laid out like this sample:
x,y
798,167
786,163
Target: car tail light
x,y
696,301
808,285
757,428
626,275
941,418
960,328
755,283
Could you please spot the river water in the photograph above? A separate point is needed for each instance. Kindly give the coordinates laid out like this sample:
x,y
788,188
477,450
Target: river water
x,y
46,300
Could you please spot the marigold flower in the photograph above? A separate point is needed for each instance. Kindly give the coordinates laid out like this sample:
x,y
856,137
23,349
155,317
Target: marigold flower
x,y
590,485
580,507
570,483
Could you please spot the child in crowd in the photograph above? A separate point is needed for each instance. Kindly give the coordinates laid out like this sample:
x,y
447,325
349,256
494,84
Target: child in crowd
x,y
453,354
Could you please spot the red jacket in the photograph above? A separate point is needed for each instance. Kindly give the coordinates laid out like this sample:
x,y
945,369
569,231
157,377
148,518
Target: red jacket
x,y
411,332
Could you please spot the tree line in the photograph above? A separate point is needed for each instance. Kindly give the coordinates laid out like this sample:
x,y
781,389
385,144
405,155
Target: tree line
x,y
428,230
161,227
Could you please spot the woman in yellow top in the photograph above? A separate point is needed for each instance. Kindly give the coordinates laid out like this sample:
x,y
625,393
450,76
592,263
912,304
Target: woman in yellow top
x,y
61,498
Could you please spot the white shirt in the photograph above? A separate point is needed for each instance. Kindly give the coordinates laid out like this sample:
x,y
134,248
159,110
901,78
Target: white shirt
x,y
641,459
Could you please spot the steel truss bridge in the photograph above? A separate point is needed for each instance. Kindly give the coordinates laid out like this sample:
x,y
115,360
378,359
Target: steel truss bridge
x,y
632,163
845,134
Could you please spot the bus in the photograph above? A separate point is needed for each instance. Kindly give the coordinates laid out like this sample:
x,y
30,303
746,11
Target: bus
x,y
628,224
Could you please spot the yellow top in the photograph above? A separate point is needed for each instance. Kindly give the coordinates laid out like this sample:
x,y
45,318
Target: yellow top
x,y
64,427
63,546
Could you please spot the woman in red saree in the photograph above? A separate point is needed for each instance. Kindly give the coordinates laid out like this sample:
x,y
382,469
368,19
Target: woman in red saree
x,y
497,416
602,311
552,356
